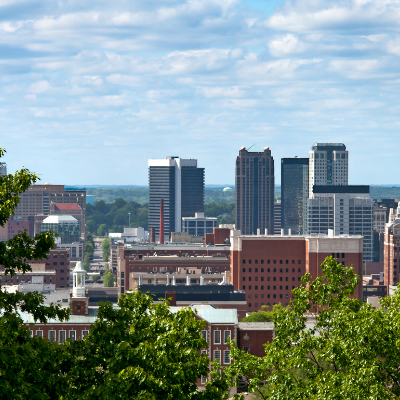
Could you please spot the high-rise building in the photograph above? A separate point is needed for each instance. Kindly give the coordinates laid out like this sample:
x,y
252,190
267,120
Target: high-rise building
x,y
347,210
3,168
328,165
180,184
391,252
277,217
294,194
254,197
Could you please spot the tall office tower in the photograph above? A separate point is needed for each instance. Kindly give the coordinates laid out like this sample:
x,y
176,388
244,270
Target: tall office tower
x,y
3,168
277,217
328,165
254,197
294,194
391,260
180,184
346,210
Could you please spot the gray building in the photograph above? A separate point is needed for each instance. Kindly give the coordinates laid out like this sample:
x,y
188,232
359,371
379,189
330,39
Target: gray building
x,y
180,183
3,168
254,197
347,210
328,165
294,194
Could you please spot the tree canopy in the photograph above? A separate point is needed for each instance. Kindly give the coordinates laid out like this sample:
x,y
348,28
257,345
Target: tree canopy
x,y
108,279
263,315
27,365
350,352
106,247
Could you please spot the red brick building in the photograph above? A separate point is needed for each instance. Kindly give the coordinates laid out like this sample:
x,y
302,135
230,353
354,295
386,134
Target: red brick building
x,y
267,268
391,263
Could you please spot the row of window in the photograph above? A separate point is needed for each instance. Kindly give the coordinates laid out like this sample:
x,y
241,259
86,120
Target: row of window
x,y
62,335
273,270
217,336
269,278
268,288
269,261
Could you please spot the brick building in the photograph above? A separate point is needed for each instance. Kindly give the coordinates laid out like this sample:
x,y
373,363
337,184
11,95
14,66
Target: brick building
x,y
36,200
267,268
391,263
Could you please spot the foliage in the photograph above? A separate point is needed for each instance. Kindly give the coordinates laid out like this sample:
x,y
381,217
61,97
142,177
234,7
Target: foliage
x,y
106,266
102,230
352,351
105,245
89,246
108,279
86,263
224,212
96,278
384,192
26,364
115,215
142,351
264,315
108,195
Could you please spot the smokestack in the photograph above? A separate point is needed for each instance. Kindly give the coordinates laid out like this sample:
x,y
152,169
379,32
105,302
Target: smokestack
x,y
161,240
152,235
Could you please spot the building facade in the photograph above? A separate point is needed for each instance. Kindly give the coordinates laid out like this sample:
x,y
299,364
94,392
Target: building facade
x,y
66,226
180,184
198,225
267,268
391,262
328,165
294,194
346,210
36,200
254,191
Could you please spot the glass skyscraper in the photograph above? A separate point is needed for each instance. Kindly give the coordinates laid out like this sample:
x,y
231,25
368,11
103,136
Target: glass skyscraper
x,y
294,194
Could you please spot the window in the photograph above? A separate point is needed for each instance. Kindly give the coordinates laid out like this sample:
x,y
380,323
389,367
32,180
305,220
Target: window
x,y
62,336
262,287
256,287
244,269
299,270
256,278
293,269
244,287
280,261
217,356
274,269
72,335
52,336
249,304
31,334
256,269
227,356
84,334
227,335
203,380
204,352
244,279
274,263
249,261
39,333
249,278
249,295
256,262
244,261
298,261
262,279
280,270
267,261
217,337
249,268
262,269
268,270
246,349
262,262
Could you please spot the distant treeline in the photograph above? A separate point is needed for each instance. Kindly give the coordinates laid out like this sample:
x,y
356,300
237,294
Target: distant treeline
x,y
141,194
385,192
115,215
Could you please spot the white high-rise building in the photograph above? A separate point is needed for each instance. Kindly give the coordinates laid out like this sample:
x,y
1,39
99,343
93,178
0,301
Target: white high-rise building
x,y
328,165
347,210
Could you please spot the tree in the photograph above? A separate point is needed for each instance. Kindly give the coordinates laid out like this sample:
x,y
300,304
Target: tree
x,y
352,351
102,230
108,279
143,351
96,278
105,245
263,315
28,366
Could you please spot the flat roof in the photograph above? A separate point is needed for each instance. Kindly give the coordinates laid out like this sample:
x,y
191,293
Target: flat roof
x,y
361,189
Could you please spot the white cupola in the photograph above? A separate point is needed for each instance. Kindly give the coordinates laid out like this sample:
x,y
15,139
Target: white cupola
x,y
78,289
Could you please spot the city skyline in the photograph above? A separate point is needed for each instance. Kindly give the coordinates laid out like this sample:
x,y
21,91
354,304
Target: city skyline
x,y
101,87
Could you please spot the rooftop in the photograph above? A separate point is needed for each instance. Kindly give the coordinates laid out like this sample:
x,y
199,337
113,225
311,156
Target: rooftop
x,y
58,219
67,206
255,149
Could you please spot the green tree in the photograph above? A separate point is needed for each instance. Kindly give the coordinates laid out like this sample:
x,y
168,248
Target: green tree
x,y
29,367
105,245
108,279
263,315
351,352
142,351
102,230
96,278
86,262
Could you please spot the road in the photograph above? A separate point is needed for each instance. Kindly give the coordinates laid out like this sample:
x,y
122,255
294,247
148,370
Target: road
x,y
97,264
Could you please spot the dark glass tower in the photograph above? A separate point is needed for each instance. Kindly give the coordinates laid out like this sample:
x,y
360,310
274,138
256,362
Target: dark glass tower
x,y
254,204
294,194
181,185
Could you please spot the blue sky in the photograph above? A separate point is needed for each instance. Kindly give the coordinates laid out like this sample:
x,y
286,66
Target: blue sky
x,y
90,90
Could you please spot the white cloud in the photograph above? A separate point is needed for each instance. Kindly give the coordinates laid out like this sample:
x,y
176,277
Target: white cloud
x,y
286,45
230,92
106,101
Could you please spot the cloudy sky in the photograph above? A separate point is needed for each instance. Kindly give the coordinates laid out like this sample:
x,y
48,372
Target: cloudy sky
x,y
89,90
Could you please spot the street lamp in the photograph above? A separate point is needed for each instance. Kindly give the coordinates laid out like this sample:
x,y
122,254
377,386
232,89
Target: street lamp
x,y
129,220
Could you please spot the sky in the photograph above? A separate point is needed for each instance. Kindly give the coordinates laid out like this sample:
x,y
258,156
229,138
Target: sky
x,y
90,90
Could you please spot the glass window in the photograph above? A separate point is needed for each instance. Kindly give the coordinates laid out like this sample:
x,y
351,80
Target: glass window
x,y
62,336
52,336
204,334
39,333
217,337
84,334
227,335
72,335
217,355
227,356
